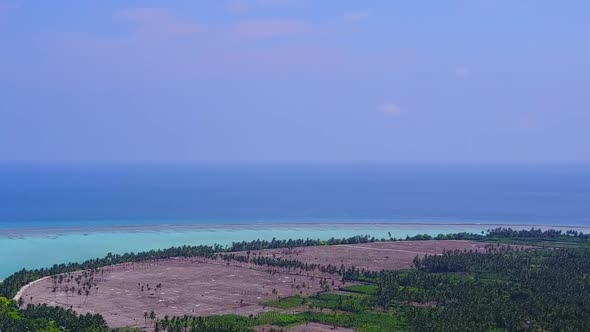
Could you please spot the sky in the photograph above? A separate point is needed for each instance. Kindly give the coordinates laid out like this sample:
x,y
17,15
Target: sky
x,y
295,80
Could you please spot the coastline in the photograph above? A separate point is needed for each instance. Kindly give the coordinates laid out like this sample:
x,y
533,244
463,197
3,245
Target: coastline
x,y
41,247
12,232
25,287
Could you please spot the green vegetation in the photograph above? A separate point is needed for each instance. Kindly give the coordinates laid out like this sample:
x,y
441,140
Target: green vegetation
x,y
541,290
287,302
536,237
502,289
10,286
350,303
362,289
367,322
42,318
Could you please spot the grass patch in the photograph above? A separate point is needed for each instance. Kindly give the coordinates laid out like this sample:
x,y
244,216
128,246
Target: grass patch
x,y
363,322
362,289
286,303
351,303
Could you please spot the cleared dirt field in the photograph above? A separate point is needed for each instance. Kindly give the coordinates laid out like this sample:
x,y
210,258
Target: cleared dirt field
x,y
188,287
184,286
373,256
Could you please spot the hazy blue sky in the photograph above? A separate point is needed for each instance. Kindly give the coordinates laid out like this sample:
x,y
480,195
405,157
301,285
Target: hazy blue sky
x,y
186,80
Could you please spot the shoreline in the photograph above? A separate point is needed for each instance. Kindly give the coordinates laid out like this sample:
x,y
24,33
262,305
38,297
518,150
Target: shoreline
x,y
20,292
179,271
34,248
24,232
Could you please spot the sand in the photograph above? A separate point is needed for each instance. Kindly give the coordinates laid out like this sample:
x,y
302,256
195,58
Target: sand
x,y
373,256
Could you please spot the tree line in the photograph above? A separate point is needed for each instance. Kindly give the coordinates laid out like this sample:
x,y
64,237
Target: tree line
x,y
550,283
10,286
511,289
43,318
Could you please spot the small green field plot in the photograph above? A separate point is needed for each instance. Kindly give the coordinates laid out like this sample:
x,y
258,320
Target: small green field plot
x,y
362,289
279,319
351,303
352,311
363,322
286,302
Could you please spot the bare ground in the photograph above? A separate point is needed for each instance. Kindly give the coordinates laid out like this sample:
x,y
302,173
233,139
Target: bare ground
x,y
203,287
190,287
373,256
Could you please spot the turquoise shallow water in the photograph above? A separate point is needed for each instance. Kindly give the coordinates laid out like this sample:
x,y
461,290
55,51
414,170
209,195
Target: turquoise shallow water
x,y
56,213
33,248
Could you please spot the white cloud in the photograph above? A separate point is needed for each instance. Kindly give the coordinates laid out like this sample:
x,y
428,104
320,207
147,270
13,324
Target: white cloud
x,y
356,16
391,109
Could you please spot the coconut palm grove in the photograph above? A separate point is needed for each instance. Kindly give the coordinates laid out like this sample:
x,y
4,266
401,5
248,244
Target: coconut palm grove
x,y
294,166
526,280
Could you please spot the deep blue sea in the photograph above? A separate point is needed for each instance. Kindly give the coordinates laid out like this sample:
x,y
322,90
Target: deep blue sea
x,y
95,194
60,213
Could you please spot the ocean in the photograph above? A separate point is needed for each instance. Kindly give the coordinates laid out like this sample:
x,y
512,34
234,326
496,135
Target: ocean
x,y
55,213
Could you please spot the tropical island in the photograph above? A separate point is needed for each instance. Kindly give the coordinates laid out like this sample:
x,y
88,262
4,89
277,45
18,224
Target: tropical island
x,y
294,166
503,280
